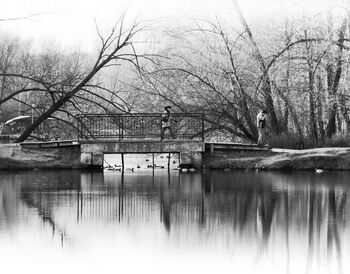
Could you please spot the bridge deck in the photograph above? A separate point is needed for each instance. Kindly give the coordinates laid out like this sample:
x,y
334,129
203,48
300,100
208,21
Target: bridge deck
x,y
148,145
50,144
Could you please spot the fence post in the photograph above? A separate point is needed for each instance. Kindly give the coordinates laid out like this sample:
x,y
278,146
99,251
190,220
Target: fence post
x,y
122,125
160,126
78,127
203,127
122,155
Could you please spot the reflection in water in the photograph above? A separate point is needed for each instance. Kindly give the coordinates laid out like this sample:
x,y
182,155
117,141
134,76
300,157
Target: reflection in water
x,y
255,222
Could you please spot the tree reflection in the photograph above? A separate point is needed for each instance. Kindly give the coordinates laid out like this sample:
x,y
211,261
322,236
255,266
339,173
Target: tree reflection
x,y
42,194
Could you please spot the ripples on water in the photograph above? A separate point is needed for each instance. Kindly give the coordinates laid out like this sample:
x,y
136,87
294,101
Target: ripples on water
x,y
145,222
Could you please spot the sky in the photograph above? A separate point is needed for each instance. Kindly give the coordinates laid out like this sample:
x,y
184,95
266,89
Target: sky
x,y
71,23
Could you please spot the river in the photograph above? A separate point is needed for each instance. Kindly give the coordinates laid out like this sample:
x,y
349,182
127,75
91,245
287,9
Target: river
x,y
160,221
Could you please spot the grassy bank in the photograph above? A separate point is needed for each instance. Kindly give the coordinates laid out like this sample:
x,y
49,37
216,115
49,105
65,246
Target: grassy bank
x,y
308,159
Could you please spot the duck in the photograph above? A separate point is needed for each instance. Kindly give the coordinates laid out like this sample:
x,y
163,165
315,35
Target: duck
x,y
138,166
147,160
318,170
174,162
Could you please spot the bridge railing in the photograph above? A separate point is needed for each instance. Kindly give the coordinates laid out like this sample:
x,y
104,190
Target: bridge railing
x,y
139,126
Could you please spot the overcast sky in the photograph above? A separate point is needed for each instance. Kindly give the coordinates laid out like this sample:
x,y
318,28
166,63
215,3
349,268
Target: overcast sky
x,y
71,23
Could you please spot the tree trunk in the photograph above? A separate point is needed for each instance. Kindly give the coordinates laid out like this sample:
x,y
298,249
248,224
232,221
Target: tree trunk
x,y
331,126
284,124
344,113
312,114
333,79
235,79
269,105
313,125
311,89
266,83
319,108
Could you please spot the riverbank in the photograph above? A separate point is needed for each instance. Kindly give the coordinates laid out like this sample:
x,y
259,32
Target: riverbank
x,y
279,159
13,156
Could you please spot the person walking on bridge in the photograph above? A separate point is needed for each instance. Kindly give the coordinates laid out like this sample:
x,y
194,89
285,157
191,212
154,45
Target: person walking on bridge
x,y
261,124
166,123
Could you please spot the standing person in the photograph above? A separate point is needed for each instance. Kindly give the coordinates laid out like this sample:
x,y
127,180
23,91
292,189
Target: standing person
x,y
166,123
261,124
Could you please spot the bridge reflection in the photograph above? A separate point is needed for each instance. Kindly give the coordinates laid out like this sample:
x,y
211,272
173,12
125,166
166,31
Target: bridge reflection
x,y
142,197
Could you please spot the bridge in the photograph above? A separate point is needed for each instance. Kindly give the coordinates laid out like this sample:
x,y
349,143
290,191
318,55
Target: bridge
x,y
141,133
100,134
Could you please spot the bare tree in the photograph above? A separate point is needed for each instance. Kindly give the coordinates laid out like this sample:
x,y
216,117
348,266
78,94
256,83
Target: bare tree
x,y
59,90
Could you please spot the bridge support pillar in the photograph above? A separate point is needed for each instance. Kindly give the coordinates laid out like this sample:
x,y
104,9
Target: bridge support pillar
x,y
191,159
90,159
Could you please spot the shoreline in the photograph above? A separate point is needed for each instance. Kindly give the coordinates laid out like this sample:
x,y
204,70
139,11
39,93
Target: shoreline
x,y
13,157
287,160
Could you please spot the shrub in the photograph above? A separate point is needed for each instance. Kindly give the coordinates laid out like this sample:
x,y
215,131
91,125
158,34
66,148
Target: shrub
x,y
293,141
286,140
338,140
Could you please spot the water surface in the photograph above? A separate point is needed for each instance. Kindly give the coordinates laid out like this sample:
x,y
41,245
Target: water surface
x,y
169,222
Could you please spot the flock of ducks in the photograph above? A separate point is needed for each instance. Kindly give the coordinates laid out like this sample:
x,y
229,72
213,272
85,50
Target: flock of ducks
x,y
116,167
